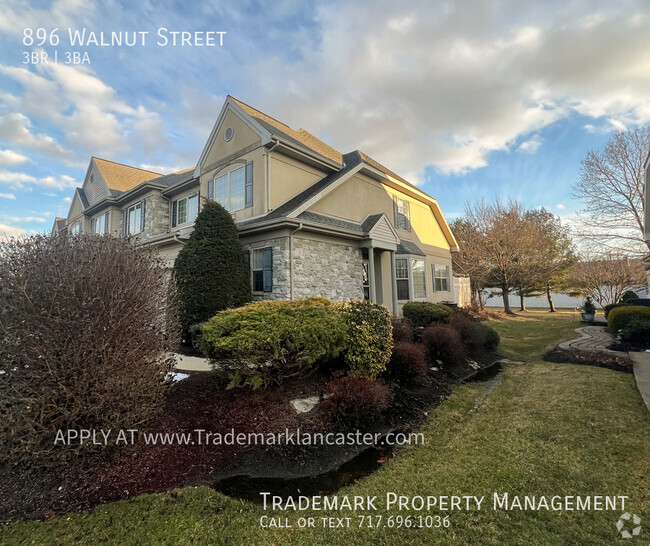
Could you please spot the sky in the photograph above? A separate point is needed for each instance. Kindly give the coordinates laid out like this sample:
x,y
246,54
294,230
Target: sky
x,y
468,99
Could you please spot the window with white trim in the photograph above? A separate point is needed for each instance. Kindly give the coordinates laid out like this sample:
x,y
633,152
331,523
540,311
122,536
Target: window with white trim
x,y
134,215
402,277
230,189
418,272
440,277
75,229
262,269
99,225
402,210
185,209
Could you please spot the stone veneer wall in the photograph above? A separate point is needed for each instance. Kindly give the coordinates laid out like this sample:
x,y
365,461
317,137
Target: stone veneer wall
x,y
281,273
156,219
326,270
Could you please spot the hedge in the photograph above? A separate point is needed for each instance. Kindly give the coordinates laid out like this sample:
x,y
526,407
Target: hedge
x,y
423,313
264,342
619,317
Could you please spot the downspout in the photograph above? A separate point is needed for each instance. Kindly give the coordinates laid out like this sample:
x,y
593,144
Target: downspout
x,y
268,175
178,240
291,260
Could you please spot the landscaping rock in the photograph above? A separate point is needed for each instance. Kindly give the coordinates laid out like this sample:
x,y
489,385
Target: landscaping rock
x,y
304,405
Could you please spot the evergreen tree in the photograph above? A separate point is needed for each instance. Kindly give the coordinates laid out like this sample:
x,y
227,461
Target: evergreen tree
x,y
210,271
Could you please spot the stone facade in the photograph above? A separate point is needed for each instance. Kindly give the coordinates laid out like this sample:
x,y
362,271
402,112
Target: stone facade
x,y
156,218
280,246
326,270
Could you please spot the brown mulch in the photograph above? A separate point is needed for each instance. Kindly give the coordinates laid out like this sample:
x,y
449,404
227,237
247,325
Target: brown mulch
x,y
589,358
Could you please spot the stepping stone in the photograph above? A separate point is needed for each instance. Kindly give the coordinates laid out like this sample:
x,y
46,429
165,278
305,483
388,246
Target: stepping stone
x,y
304,405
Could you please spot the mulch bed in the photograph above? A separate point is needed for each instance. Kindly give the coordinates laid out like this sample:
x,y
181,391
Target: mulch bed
x,y
102,474
589,358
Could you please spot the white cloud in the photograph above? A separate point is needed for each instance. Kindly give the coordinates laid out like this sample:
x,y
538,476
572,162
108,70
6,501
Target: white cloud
x,y
7,230
7,196
17,219
162,169
67,200
445,84
16,129
531,145
20,180
560,206
9,157
15,15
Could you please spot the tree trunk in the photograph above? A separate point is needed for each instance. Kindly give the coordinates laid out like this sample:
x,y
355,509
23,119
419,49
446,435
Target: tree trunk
x,y
506,304
522,301
551,305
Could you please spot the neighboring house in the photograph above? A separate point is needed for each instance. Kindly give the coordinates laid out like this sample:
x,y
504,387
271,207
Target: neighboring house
x,y
312,221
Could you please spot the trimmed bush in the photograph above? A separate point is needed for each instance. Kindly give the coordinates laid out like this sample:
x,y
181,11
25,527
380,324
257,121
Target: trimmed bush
x,y
423,313
264,342
641,302
369,339
85,333
402,330
619,317
408,362
629,295
472,333
355,400
443,343
210,271
637,331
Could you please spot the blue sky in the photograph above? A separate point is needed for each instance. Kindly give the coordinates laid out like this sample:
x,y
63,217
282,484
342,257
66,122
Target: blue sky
x,y
470,100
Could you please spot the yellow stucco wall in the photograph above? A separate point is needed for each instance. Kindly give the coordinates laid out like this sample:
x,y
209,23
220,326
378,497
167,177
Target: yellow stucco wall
x,y
243,136
289,177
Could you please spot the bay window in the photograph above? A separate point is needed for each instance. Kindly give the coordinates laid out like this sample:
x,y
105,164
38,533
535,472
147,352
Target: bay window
x,y
410,274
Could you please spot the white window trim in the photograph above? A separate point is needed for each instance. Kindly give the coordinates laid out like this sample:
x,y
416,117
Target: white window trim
x,y
74,225
93,224
128,219
187,208
434,277
228,174
253,250
409,261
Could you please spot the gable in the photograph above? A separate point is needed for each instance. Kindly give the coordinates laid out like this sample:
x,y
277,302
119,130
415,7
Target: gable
x,y
119,177
76,207
94,185
243,138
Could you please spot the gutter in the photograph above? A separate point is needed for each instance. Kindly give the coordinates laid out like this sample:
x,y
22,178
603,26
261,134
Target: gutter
x,y
291,260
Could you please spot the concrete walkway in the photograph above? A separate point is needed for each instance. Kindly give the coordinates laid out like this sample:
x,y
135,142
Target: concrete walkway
x,y
642,374
592,338
191,363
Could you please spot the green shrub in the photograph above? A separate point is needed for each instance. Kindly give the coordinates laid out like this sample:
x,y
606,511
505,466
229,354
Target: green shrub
x,y
267,341
637,331
628,295
369,337
619,317
210,271
423,313
492,337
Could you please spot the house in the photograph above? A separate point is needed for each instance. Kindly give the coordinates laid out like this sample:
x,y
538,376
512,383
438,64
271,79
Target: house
x,y
312,221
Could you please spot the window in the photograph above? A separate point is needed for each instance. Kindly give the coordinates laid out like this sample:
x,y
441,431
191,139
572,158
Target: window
x,y
185,210
99,225
440,278
133,219
402,210
262,269
233,190
365,272
75,229
402,276
418,269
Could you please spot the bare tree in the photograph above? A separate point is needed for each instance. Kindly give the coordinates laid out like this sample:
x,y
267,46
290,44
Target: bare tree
x,y
471,259
612,187
607,277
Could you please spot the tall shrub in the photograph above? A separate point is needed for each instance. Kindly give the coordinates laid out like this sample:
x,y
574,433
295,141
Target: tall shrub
x,y
423,313
369,339
85,331
210,271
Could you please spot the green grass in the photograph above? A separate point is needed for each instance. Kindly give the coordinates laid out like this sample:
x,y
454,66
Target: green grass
x,y
550,429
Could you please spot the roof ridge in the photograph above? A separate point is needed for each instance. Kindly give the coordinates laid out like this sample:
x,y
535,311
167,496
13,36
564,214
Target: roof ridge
x,y
260,112
125,165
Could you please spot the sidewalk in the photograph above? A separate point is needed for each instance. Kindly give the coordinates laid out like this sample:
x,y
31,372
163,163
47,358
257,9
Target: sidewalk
x,y
191,363
642,374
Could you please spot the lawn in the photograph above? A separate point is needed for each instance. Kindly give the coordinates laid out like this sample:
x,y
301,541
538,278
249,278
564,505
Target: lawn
x,y
547,429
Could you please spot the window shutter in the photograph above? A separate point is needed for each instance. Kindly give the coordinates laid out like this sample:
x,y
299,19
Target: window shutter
x,y
395,213
124,222
211,189
407,215
174,207
106,222
433,276
268,268
249,185
142,211
247,258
